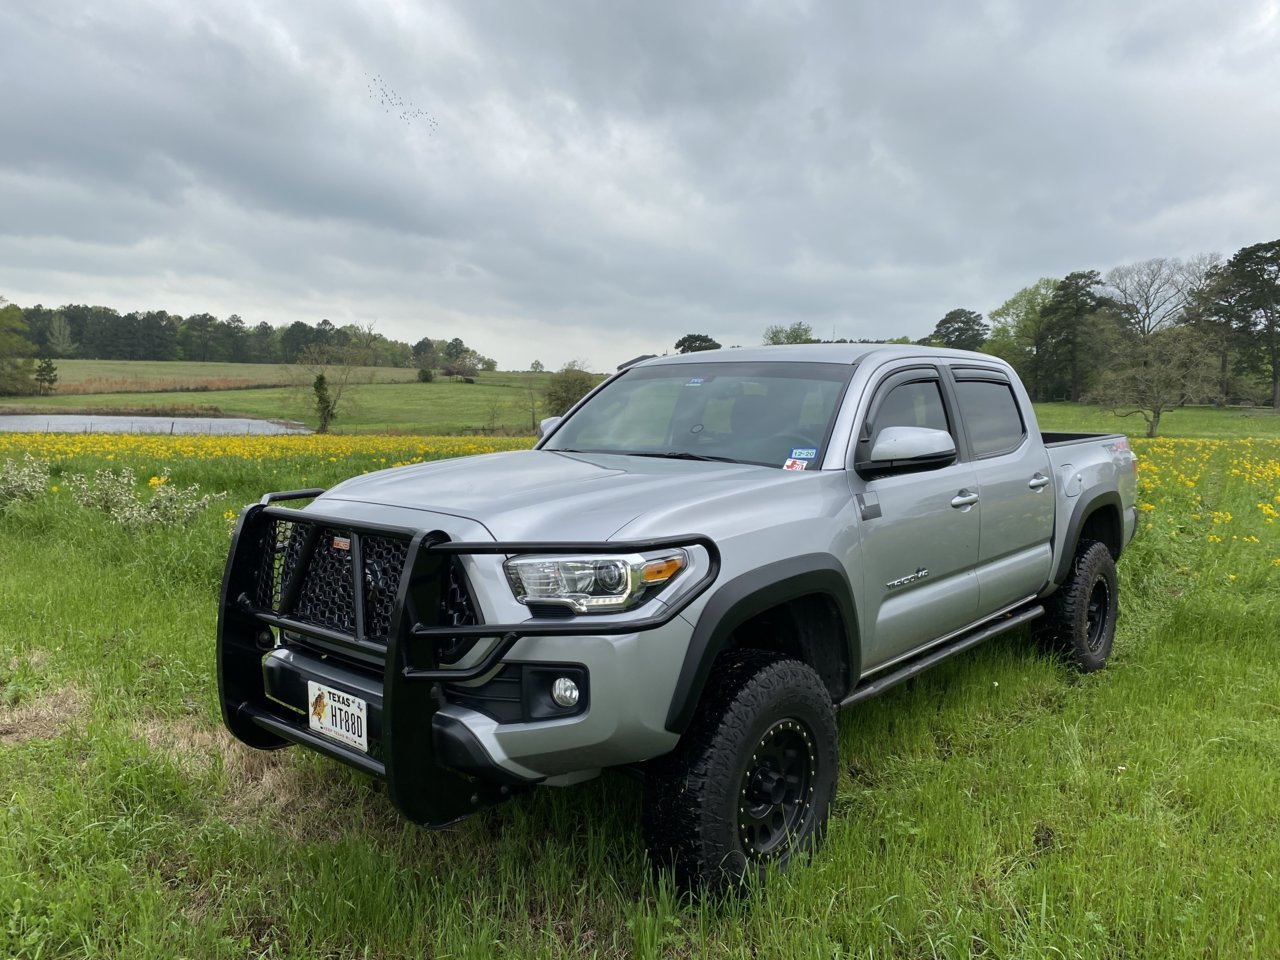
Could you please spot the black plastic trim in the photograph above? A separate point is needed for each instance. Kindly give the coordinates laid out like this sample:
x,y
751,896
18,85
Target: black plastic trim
x,y
457,747
1088,503
882,682
743,598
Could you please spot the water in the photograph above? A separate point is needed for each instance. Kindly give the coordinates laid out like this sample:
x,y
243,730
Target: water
x,y
230,426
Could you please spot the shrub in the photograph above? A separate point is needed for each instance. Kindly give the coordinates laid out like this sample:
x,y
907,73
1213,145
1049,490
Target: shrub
x,y
117,495
23,481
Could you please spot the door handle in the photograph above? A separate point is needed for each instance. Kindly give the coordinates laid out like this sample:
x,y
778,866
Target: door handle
x,y
1037,481
965,498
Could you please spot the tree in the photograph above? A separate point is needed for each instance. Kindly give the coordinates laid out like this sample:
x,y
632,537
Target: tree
x,y
16,366
1151,295
264,344
341,369
961,329
695,342
425,355
566,387
46,377
1253,288
1170,367
455,348
1073,321
58,338
536,366
295,339
798,332
1018,334
325,411
465,364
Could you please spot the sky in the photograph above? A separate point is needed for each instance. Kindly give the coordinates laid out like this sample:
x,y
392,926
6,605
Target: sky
x,y
592,180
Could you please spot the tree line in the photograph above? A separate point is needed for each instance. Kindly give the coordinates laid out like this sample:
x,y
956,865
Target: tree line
x,y
1140,339
102,333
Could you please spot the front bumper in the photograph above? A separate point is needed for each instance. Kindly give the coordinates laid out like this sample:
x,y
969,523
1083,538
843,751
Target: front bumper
x,y
440,759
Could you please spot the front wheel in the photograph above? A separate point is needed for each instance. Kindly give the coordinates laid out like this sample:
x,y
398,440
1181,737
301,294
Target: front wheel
x,y
753,778
1080,618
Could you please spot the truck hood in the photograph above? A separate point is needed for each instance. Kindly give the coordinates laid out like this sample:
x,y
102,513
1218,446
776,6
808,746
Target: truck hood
x,y
549,495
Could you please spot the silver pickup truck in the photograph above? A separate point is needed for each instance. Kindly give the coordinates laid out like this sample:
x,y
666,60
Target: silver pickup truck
x,y
686,577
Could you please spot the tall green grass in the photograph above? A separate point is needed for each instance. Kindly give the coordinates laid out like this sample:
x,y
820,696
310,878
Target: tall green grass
x,y
1000,805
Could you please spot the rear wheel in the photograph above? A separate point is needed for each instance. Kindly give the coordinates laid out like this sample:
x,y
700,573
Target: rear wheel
x,y
1080,618
752,780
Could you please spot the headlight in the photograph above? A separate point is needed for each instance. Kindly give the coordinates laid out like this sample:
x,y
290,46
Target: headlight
x,y
593,584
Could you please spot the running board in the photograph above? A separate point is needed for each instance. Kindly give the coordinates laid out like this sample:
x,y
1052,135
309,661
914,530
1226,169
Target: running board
x,y
878,685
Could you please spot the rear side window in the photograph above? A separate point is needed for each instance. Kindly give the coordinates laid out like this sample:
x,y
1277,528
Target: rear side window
x,y
991,416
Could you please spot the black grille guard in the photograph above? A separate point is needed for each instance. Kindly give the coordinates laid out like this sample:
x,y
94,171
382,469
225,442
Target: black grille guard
x,y
413,657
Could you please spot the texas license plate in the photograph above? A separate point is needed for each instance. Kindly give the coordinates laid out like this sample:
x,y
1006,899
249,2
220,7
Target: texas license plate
x,y
338,715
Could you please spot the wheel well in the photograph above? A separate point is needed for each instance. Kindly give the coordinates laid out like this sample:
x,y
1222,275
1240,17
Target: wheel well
x,y
809,629
1103,525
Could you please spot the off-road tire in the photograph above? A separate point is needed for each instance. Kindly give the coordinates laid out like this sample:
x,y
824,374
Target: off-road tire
x,y
1080,617
752,780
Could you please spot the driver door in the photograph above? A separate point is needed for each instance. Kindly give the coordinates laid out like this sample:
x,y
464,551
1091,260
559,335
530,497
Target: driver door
x,y
919,529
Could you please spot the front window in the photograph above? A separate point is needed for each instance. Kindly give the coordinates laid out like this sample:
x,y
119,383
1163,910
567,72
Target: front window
x,y
770,413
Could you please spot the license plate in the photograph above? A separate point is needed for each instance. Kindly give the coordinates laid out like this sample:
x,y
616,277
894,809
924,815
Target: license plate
x,y
338,715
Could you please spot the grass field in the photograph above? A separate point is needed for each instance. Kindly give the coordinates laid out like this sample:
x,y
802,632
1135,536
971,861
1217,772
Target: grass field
x,y
495,401
141,376
998,806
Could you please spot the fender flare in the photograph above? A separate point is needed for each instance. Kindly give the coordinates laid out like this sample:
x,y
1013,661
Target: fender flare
x,y
744,597
1096,498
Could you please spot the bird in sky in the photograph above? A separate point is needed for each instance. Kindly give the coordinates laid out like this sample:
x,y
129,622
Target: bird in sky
x,y
397,106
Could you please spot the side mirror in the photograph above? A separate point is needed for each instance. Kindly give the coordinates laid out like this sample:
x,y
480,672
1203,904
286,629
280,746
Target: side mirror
x,y
546,426
904,449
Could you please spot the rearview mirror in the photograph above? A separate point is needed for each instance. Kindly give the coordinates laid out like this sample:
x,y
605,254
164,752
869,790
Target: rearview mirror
x,y
900,449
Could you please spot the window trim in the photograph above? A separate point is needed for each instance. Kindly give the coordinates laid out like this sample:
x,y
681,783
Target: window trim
x,y
916,373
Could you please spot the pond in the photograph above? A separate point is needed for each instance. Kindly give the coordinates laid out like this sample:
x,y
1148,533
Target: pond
x,y
230,426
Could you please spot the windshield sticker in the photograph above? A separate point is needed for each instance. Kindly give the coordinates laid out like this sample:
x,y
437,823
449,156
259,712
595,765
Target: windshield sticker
x,y
794,464
804,453
695,382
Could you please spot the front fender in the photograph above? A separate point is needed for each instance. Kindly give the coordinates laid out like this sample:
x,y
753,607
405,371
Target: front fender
x,y
746,596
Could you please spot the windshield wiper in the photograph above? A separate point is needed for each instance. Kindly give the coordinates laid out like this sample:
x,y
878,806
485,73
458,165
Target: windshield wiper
x,y
679,455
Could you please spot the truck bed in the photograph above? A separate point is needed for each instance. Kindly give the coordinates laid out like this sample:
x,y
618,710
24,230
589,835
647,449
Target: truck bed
x,y
1062,439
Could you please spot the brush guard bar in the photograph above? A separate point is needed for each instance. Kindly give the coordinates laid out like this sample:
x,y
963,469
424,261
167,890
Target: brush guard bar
x,y
399,676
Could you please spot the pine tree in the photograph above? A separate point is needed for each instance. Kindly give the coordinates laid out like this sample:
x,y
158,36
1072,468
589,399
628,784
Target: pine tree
x,y
46,376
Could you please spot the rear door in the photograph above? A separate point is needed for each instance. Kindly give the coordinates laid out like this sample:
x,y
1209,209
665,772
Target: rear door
x,y
919,530
1015,483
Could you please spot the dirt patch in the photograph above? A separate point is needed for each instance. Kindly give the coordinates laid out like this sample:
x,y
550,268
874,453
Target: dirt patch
x,y
45,717
278,783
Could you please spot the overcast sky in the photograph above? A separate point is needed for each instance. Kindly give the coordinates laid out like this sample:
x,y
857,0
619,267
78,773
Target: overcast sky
x,y
593,180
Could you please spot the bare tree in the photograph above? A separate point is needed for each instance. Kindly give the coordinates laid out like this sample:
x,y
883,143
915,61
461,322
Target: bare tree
x,y
1170,367
342,367
1152,294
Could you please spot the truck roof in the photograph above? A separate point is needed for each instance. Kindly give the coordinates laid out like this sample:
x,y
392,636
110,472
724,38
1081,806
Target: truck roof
x,y
816,353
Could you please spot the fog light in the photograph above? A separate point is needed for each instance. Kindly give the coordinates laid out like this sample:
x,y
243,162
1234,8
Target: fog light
x,y
565,692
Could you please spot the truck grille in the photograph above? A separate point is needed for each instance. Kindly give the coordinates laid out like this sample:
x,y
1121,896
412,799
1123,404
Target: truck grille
x,y
326,594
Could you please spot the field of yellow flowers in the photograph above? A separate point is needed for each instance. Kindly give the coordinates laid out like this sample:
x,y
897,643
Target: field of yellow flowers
x,y
998,806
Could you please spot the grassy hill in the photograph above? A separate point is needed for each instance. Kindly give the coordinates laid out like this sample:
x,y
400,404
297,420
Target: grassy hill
x,y
144,376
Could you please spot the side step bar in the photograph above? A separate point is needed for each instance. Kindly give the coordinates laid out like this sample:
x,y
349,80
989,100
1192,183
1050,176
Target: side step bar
x,y
878,685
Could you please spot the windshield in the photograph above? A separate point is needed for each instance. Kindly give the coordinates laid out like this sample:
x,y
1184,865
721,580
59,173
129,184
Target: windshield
x,y
773,413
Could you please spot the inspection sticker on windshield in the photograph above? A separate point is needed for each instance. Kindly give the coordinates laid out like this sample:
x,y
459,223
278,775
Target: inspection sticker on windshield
x,y
804,453
694,382
794,464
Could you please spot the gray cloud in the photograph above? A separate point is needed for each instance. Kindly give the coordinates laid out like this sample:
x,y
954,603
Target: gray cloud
x,y
604,178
